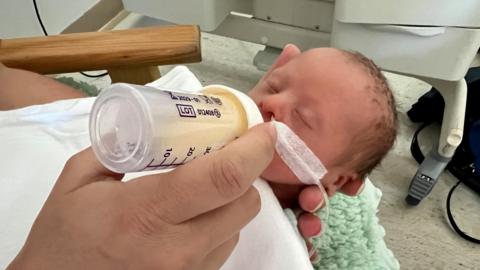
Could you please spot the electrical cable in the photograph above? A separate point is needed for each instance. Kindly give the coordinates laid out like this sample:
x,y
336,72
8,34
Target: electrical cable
x,y
452,220
469,181
46,34
38,17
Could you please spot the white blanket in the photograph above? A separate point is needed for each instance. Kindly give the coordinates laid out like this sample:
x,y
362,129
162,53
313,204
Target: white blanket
x,y
36,142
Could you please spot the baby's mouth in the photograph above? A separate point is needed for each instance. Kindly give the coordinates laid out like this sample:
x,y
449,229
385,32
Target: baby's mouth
x,y
267,117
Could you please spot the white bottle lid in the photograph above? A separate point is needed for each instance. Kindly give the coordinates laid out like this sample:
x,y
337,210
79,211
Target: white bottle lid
x,y
122,113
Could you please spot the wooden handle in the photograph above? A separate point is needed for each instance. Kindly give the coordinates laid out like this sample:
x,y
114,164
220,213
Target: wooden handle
x,y
103,50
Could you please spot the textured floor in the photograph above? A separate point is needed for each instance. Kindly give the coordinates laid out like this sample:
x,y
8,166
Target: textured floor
x,y
420,236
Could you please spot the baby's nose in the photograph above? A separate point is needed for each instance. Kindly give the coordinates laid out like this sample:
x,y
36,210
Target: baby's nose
x,y
273,107
266,114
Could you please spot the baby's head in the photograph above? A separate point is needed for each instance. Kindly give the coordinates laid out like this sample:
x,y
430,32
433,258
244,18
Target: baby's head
x,y
339,104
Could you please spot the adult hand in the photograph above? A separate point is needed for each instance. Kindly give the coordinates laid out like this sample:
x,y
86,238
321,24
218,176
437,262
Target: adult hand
x,y
188,218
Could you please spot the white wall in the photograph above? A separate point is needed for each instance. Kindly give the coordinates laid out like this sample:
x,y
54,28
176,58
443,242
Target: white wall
x,y
18,19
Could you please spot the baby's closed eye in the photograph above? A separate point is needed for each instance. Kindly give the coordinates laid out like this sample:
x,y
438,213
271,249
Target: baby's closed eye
x,y
272,89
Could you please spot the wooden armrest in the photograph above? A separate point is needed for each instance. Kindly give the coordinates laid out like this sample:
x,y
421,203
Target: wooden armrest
x,y
103,50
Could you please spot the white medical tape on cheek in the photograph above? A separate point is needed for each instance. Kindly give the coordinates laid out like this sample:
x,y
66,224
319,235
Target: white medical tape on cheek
x,y
302,162
298,157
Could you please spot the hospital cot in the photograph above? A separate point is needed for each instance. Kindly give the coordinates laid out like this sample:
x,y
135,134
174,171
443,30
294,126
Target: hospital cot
x,y
433,40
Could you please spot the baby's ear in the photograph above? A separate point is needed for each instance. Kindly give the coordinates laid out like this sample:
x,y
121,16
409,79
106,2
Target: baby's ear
x,y
352,186
287,54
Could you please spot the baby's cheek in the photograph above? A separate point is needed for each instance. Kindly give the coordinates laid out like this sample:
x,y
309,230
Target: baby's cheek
x,y
278,172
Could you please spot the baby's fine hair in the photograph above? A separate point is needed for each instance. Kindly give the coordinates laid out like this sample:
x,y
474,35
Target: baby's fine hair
x,y
378,138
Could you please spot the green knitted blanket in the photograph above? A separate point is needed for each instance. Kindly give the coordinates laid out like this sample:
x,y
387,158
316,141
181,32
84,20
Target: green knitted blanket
x,y
354,238
88,89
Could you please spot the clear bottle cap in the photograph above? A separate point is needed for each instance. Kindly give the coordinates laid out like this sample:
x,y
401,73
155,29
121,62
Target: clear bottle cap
x,y
121,129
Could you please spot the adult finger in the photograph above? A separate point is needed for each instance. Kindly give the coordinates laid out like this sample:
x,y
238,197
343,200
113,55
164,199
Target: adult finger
x,y
309,225
212,180
219,256
215,227
311,199
81,169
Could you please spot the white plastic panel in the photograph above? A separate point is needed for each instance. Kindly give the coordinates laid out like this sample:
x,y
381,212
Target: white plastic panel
x,y
206,13
464,13
437,52
271,34
274,10
311,14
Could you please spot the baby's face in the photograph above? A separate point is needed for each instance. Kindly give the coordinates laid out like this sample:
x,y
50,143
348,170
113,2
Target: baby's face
x,y
318,94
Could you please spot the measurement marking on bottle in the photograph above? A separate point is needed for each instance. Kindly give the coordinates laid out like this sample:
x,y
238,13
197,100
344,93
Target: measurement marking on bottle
x,y
156,165
169,155
172,162
161,163
149,163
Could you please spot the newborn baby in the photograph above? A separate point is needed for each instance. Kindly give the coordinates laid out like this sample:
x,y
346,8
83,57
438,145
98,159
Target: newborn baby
x,y
340,105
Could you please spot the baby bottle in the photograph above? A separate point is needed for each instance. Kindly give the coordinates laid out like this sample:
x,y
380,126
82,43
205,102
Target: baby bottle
x,y
138,128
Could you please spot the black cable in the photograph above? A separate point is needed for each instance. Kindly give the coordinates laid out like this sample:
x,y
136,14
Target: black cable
x,y
94,76
464,178
452,220
46,34
38,17
415,146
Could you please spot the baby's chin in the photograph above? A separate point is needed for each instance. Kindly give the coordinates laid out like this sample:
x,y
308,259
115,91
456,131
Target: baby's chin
x,y
278,172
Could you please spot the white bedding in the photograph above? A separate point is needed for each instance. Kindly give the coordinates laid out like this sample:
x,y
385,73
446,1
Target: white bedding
x,y
36,142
